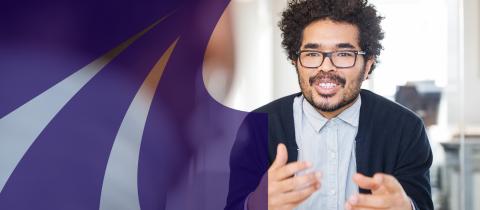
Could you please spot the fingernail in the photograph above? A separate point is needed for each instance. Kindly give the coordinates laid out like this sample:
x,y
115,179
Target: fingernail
x,y
353,200
308,164
318,175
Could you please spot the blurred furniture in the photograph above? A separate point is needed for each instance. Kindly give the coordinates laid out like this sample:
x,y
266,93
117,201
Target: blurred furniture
x,y
422,97
452,185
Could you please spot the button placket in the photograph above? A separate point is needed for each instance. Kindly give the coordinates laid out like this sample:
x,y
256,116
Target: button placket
x,y
332,147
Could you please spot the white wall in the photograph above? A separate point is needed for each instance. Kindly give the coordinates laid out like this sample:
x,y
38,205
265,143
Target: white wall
x,y
472,65
253,81
285,77
470,80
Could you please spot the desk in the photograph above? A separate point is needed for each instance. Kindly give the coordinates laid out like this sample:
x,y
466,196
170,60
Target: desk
x,y
472,174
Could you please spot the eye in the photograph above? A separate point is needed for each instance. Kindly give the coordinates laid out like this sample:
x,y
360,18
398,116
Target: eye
x,y
345,54
312,54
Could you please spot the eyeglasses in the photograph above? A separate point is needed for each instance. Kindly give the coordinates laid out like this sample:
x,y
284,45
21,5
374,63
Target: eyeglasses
x,y
340,59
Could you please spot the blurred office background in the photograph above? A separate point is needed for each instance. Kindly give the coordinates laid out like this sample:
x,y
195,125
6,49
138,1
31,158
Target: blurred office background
x,y
430,64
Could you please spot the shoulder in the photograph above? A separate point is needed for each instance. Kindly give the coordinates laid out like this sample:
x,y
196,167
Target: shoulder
x,y
377,107
277,111
279,105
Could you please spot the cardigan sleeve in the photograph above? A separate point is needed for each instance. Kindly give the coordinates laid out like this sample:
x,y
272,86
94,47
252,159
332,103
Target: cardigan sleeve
x,y
414,161
248,160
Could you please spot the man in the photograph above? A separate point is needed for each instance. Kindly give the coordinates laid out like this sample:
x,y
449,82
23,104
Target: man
x,y
334,146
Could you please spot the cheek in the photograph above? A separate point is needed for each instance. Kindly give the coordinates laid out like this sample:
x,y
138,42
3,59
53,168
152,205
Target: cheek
x,y
304,79
354,80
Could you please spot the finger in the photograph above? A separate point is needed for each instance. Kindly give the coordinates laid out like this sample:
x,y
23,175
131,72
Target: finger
x,y
390,182
298,196
289,170
369,201
367,182
350,207
281,158
299,182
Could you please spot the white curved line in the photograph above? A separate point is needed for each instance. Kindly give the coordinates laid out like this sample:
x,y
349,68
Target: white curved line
x,y
20,128
120,190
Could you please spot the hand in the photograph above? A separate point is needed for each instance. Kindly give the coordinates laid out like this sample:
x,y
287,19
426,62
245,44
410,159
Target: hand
x,y
387,193
285,191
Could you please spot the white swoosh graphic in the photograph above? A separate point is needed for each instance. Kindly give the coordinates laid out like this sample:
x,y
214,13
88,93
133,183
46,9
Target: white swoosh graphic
x,y
120,190
20,128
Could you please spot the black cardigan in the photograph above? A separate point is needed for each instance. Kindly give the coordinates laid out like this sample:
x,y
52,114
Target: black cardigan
x,y
391,139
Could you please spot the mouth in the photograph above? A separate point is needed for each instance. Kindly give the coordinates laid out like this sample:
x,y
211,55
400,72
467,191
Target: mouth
x,y
327,88
327,84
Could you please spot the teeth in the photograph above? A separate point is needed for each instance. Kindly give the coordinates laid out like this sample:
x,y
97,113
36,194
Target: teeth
x,y
327,85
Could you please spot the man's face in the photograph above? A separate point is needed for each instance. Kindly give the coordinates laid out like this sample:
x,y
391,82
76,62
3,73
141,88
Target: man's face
x,y
328,88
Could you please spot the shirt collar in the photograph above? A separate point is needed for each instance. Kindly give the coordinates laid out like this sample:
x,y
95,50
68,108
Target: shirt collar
x,y
350,115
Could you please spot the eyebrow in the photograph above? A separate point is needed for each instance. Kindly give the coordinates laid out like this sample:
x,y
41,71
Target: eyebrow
x,y
311,46
345,45
316,46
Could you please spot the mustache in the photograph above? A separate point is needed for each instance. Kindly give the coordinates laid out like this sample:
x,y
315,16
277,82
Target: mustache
x,y
331,77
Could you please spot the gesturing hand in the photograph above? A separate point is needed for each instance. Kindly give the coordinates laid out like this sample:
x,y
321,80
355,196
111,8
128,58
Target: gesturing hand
x,y
286,191
387,193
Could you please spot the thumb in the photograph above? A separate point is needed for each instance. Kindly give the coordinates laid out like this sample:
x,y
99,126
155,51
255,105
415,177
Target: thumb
x,y
281,158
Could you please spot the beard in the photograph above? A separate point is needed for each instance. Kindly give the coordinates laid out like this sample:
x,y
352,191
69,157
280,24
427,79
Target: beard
x,y
327,107
349,95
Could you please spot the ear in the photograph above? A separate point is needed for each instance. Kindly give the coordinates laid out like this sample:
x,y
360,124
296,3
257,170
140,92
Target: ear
x,y
295,64
368,67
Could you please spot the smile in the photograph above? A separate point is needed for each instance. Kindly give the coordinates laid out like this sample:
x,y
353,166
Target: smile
x,y
327,88
327,85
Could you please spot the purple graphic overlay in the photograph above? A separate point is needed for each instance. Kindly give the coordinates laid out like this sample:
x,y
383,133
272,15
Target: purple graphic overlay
x,y
75,78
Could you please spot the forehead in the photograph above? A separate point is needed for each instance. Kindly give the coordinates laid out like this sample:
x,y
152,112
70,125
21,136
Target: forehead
x,y
328,34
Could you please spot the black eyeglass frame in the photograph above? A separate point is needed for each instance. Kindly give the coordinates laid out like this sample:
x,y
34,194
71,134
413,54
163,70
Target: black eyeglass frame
x,y
329,55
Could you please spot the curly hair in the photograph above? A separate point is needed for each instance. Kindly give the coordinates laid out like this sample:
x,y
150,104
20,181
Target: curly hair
x,y
300,13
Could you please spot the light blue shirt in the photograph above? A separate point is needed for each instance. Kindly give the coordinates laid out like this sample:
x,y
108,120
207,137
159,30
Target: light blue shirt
x,y
330,146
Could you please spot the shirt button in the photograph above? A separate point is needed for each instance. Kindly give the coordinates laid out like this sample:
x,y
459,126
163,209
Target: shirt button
x,y
332,192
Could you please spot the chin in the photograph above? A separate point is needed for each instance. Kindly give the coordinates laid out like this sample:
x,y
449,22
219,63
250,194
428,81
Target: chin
x,y
326,104
331,99
327,107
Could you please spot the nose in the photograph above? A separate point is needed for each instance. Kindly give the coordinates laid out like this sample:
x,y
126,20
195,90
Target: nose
x,y
327,65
